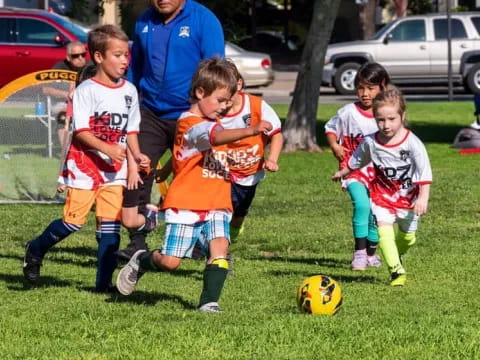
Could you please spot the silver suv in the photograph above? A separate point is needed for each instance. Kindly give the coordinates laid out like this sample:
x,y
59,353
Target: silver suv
x,y
414,50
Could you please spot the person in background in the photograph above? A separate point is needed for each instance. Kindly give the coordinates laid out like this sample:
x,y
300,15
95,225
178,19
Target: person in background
x,y
171,38
75,60
344,133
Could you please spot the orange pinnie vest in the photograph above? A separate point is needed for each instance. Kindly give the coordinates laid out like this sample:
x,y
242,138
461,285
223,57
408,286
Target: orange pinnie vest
x,y
201,181
245,157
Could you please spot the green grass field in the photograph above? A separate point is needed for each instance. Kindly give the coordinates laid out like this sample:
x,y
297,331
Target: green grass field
x,y
299,226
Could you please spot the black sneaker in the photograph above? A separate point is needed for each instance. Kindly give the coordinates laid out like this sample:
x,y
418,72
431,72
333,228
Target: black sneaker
x,y
126,254
31,265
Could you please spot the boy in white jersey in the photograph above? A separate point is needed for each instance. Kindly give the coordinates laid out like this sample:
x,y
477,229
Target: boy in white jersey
x,y
105,122
401,187
198,205
344,133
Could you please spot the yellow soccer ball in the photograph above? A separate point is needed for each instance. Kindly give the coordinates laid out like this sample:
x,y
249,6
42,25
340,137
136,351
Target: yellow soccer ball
x,y
319,294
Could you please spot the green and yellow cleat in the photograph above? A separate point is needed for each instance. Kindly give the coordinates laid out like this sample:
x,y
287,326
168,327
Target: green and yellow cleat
x,y
398,279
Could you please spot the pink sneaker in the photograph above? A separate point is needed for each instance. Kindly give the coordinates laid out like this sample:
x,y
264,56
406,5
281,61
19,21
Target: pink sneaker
x,y
374,261
359,261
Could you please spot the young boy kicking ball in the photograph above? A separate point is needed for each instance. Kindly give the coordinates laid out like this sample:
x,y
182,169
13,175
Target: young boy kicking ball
x,y
198,205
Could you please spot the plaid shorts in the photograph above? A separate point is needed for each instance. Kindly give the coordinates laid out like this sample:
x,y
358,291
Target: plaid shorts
x,y
180,239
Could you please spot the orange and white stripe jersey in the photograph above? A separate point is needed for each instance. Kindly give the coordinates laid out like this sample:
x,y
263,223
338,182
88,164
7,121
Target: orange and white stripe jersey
x,y
201,183
399,170
110,113
246,156
350,125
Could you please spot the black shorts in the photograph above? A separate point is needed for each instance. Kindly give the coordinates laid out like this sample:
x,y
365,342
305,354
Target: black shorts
x,y
155,137
242,197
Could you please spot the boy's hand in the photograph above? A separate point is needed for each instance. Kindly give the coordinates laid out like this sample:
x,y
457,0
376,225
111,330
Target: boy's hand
x,y
116,153
271,165
262,127
420,206
133,180
339,152
143,161
337,176
61,188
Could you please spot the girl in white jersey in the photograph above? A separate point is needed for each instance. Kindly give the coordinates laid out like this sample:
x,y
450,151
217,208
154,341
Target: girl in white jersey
x,y
344,133
401,187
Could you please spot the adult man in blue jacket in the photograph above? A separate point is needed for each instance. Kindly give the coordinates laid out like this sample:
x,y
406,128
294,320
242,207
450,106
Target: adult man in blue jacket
x,y
171,38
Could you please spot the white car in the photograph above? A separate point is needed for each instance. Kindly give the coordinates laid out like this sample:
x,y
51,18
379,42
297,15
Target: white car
x,y
413,50
255,67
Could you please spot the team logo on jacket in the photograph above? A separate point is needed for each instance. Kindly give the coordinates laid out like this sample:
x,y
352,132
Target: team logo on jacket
x,y
184,31
128,101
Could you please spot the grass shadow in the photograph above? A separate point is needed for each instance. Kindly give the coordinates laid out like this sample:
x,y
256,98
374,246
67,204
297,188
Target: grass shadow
x,y
150,299
17,282
77,250
328,262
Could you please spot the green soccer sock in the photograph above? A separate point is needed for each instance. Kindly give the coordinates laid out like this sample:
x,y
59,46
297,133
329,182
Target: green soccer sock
x,y
146,262
404,241
389,249
214,277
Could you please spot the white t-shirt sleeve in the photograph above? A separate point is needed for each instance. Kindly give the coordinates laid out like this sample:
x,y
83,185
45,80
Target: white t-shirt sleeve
x,y
83,107
133,124
199,135
332,125
268,114
423,170
361,156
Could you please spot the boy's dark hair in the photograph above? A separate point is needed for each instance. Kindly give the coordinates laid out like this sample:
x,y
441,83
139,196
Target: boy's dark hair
x,y
372,73
98,38
213,74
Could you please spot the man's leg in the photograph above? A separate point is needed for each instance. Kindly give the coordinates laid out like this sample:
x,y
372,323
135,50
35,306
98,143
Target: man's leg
x,y
155,137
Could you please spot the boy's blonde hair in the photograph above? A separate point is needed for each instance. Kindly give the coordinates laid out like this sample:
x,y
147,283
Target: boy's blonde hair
x,y
390,96
98,38
214,74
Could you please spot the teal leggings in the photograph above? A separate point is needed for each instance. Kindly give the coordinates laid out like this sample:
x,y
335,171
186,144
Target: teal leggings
x,y
362,220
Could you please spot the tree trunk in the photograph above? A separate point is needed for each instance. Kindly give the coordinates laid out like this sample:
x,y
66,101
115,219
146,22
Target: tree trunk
x,y
401,7
300,127
367,18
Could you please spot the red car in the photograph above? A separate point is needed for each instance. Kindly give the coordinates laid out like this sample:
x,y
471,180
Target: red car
x,y
33,40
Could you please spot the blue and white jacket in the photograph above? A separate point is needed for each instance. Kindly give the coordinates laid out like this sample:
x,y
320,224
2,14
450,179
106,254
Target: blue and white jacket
x,y
196,35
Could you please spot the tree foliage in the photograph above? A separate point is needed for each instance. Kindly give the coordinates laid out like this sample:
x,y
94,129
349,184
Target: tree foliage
x,y
417,7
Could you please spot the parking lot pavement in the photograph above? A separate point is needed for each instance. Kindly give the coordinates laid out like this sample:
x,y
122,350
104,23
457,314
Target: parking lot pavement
x,y
281,91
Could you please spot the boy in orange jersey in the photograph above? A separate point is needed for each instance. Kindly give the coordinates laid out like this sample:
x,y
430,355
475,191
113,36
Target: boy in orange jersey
x,y
198,206
246,156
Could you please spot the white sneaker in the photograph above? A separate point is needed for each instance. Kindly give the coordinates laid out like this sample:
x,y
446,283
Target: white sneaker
x,y
211,307
374,261
128,277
